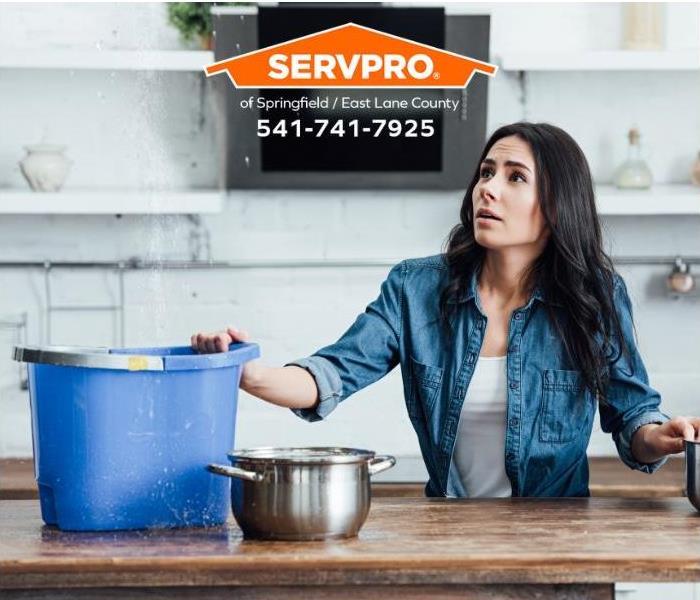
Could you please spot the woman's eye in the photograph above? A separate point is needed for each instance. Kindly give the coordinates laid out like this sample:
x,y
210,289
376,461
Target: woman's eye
x,y
485,172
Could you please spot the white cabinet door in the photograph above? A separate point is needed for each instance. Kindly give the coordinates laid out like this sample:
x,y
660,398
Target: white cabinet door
x,y
655,591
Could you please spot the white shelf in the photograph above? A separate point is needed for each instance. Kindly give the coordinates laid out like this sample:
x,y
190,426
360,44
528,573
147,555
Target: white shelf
x,y
100,202
668,199
602,60
118,60
659,200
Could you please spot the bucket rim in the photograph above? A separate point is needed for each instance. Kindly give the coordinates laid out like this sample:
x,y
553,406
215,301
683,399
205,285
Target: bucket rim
x,y
164,358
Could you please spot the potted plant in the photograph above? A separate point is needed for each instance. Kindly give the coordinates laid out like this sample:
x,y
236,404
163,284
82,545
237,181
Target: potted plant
x,y
193,20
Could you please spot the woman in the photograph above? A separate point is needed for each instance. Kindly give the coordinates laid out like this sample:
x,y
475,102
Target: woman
x,y
507,341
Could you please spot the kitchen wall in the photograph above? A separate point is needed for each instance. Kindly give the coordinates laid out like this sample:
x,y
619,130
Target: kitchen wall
x,y
151,130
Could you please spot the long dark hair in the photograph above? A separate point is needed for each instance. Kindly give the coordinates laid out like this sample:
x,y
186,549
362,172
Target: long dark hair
x,y
572,270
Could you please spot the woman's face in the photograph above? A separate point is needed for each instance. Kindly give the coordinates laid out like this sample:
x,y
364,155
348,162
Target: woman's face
x,y
507,188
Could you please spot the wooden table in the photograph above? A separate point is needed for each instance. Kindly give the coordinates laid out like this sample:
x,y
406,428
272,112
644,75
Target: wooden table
x,y
408,548
608,477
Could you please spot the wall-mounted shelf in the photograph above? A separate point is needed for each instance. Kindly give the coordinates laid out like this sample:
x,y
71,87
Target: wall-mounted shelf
x,y
660,200
101,202
602,60
117,60
668,199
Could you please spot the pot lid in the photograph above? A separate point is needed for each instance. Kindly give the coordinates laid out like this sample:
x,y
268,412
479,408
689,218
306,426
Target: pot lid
x,y
313,455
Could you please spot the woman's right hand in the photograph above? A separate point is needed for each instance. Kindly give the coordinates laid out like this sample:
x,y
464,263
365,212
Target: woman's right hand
x,y
207,343
290,386
219,341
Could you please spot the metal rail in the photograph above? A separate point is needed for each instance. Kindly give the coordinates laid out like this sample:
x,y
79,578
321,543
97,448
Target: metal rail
x,y
138,264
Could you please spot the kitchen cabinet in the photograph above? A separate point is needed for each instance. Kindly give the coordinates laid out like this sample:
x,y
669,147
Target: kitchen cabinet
x,y
654,591
408,547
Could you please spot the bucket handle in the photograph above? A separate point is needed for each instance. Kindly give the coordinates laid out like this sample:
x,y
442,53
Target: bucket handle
x,y
235,472
378,464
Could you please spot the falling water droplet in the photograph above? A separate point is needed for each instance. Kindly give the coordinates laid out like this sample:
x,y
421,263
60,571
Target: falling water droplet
x,y
242,17
238,47
213,34
98,44
247,162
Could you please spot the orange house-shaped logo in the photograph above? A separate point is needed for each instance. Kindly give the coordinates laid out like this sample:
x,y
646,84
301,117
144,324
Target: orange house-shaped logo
x,y
350,56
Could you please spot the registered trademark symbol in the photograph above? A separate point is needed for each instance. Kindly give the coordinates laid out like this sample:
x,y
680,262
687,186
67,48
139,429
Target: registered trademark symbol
x,y
436,75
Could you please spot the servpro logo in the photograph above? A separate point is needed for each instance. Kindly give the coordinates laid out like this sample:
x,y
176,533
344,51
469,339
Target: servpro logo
x,y
331,59
337,66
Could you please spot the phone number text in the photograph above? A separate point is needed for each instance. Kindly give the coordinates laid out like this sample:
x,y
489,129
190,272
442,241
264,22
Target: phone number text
x,y
341,128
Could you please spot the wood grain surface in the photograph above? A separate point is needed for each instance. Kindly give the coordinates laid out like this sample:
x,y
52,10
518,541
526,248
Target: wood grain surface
x,y
609,477
405,541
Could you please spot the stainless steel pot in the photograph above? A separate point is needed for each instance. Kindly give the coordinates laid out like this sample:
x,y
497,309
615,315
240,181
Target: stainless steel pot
x,y
692,472
301,493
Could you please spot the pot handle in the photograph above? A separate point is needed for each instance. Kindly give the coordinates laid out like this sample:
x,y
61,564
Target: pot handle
x,y
235,472
378,464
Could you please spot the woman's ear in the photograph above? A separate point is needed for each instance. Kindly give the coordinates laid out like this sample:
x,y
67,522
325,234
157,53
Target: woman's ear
x,y
546,232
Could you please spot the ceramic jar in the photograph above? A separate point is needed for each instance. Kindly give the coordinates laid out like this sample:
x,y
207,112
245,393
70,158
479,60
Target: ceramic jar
x,y
45,167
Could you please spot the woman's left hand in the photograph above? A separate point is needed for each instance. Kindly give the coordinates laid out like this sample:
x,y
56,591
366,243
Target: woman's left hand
x,y
669,437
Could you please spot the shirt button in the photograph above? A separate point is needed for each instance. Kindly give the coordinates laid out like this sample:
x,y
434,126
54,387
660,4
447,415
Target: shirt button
x,y
518,316
513,385
514,422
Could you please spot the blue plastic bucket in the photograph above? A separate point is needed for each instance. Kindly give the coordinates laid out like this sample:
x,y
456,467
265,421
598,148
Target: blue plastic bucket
x,y
122,437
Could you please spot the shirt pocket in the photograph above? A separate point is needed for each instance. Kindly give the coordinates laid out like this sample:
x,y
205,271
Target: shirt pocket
x,y
425,385
565,406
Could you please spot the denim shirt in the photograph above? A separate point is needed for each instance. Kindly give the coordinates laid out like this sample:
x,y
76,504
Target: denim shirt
x,y
549,412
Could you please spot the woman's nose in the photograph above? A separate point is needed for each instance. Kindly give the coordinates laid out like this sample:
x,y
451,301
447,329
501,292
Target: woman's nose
x,y
489,189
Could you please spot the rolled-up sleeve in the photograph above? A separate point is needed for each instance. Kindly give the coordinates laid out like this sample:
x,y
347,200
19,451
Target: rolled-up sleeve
x,y
631,401
367,351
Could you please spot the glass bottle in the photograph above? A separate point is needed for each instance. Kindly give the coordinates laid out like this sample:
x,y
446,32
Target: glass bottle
x,y
634,172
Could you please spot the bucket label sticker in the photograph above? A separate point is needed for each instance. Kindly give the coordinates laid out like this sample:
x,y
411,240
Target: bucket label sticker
x,y
138,363
332,59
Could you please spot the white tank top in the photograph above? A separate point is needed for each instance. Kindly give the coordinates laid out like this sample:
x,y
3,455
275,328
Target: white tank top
x,y
479,451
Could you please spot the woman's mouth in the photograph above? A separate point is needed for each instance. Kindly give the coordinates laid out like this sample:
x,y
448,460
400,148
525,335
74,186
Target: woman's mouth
x,y
486,214
487,221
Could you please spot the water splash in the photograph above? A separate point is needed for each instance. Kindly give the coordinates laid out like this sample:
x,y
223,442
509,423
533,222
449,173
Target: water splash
x,y
164,236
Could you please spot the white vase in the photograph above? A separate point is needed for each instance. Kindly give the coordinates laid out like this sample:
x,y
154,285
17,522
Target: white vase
x,y
45,167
